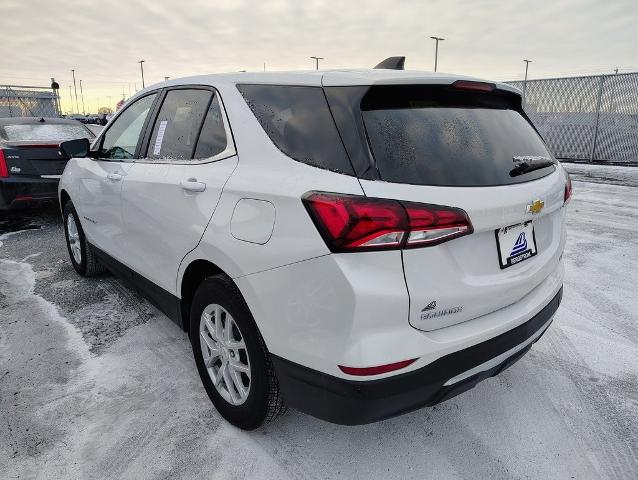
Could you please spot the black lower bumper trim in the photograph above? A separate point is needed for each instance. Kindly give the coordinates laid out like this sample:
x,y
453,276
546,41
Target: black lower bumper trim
x,y
349,402
18,192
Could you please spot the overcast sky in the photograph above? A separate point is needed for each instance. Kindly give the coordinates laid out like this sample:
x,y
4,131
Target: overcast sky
x,y
103,39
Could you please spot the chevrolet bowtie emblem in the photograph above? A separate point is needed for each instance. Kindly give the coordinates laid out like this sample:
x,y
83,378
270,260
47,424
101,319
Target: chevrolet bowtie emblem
x,y
535,207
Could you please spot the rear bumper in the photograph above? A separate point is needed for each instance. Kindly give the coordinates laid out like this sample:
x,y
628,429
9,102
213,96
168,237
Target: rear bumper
x,y
349,402
17,192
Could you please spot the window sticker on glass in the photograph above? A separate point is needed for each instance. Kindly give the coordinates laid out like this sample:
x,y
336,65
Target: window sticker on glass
x,y
160,137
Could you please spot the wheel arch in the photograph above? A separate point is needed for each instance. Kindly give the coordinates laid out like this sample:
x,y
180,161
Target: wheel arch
x,y
195,273
64,198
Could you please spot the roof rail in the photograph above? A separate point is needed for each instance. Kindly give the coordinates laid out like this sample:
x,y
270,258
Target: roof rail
x,y
392,63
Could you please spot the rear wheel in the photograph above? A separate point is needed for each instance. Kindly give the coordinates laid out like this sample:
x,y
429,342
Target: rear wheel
x,y
82,256
231,356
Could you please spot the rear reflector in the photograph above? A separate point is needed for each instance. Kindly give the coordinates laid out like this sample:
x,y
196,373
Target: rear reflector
x,y
350,223
365,371
4,172
475,86
568,189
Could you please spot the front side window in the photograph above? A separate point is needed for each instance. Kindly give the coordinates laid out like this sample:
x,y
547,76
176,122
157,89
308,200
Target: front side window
x,y
178,123
121,139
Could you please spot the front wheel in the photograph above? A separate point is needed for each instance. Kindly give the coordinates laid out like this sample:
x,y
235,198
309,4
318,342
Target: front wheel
x,y
231,356
82,256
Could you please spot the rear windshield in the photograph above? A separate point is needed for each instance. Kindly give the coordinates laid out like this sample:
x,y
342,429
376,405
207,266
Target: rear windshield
x,y
37,132
298,121
437,136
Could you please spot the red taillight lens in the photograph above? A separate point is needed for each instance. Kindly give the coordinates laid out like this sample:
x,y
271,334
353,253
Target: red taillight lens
x,y
377,370
4,172
353,223
568,189
433,224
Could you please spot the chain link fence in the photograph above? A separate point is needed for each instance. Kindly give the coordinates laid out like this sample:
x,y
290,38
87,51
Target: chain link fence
x,y
26,101
593,118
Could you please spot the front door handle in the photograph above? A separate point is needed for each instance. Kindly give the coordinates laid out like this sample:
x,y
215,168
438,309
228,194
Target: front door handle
x,y
114,177
192,185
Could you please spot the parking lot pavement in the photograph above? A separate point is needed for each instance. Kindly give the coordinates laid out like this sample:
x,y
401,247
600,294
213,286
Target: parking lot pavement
x,y
96,383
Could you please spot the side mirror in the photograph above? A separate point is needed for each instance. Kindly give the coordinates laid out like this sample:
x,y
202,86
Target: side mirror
x,y
75,148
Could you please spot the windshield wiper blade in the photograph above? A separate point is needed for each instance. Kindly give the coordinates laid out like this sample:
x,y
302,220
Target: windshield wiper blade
x,y
526,164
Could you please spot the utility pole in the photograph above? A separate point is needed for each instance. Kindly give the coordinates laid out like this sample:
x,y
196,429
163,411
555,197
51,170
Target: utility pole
x,y
166,79
527,62
264,66
77,105
316,62
82,95
436,50
141,62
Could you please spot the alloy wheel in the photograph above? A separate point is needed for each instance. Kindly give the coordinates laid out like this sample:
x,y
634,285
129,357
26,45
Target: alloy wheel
x,y
225,354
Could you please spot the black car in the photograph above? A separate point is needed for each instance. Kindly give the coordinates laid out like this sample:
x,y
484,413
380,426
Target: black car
x,y
30,163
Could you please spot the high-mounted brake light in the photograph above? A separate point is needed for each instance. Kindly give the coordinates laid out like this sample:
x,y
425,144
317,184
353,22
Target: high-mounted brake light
x,y
350,223
377,370
568,189
475,86
4,172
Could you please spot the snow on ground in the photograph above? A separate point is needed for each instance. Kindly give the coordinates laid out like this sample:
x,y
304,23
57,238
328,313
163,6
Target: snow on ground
x,y
96,383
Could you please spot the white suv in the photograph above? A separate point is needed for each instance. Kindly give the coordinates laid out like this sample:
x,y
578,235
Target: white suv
x,y
354,244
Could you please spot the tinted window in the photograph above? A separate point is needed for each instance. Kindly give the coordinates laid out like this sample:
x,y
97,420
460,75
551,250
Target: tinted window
x,y
178,123
212,139
44,132
298,121
120,140
433,136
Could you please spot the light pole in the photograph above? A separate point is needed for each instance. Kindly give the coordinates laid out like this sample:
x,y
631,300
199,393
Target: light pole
x,y
527,62
77,105
141,62
317,62
82,95
436,50
71,98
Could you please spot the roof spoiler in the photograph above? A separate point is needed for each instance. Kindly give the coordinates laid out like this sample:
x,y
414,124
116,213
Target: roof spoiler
x,y
392,63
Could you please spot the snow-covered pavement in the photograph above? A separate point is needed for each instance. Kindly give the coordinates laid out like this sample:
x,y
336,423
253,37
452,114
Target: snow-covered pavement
x,y
95,383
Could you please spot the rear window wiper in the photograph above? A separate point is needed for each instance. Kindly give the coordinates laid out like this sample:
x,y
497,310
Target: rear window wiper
x,y
526,164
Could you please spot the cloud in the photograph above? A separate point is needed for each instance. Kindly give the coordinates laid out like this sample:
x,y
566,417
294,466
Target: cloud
x,y
104,40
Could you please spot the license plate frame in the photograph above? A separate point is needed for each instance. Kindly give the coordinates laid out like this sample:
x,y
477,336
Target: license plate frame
x,y
508,239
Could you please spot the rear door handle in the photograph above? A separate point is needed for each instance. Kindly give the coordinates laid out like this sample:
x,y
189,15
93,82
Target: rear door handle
x,y
115,177
192,185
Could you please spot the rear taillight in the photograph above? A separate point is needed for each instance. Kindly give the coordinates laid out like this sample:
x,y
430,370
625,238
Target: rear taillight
x,y
354,223
4,172
568,189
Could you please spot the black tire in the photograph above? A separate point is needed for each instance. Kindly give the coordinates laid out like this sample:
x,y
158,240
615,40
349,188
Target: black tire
x,y
88,266
264,402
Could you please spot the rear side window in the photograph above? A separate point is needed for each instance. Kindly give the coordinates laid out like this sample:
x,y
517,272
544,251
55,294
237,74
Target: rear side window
x,y
212,140
436,136
178,123
298,121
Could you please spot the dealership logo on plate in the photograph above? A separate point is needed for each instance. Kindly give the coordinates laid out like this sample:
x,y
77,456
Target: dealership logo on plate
x,y
520,246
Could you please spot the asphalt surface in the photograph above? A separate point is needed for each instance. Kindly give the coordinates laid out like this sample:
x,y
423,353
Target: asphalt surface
x,y
96,383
